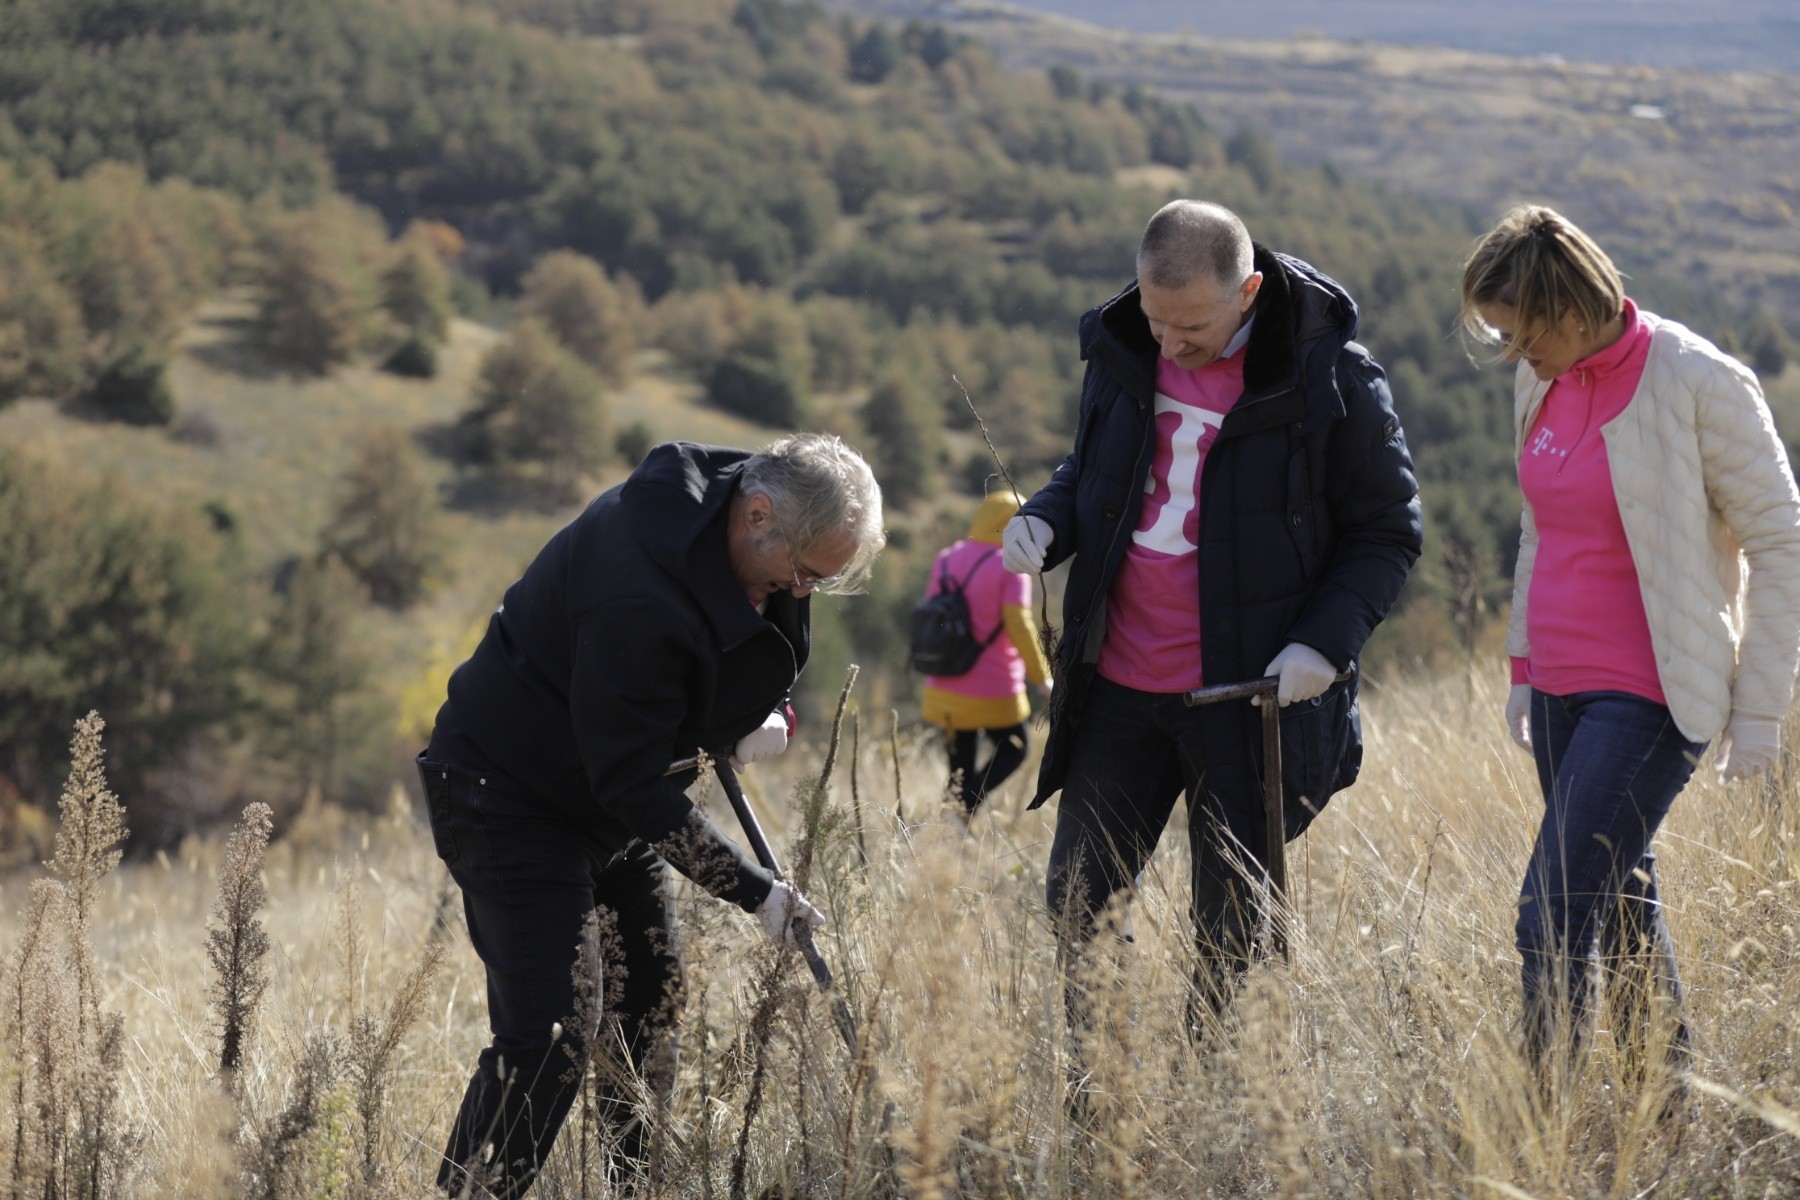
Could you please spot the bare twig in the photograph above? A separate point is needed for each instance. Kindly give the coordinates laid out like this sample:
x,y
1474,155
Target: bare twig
x,y
894,746
862,846
837,727
1046,631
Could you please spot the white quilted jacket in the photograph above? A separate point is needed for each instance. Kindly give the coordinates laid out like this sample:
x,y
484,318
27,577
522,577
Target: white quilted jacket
x,y
1700,475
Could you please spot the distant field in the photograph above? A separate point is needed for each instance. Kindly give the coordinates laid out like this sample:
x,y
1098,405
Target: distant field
x,y
1721,35
1693,174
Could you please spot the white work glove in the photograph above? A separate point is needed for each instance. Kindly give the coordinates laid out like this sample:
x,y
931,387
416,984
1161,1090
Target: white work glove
x,y
1747,748
1518,714
767,742
782,909
1304,672
1024,543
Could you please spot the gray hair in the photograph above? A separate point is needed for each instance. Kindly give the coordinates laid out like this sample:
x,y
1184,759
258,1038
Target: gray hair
x,y
1190,238
816,483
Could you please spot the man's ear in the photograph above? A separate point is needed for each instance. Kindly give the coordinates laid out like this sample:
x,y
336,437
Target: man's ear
x,y
1247,293
758,512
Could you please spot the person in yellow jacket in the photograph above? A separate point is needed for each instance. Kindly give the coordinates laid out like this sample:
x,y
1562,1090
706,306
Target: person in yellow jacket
x,y
990,697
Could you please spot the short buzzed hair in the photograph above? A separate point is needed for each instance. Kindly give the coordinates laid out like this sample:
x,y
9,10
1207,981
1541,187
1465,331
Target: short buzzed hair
x,y
1187,239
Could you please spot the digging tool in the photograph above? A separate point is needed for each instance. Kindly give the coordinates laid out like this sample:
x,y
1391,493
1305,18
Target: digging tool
x,y
765,854
1274,819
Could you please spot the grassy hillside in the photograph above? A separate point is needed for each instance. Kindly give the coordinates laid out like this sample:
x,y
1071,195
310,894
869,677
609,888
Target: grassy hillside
x,y
271,448
1378,1064
1678,171
792,220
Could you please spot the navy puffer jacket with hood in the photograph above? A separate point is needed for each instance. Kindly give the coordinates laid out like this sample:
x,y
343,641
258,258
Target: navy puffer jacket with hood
x,y
1309,517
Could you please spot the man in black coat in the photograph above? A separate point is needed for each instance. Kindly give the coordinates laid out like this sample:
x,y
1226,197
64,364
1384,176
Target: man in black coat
x,y
1240,502
671,616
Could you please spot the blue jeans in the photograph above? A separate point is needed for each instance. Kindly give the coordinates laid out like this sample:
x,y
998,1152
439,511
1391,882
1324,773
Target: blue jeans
x,y
1134,753
1610,765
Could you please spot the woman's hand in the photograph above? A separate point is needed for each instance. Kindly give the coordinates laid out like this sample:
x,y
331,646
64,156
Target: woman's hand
x,y
1747,748
1518,714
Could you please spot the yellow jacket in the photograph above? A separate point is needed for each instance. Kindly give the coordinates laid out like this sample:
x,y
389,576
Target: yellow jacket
x,y
955,712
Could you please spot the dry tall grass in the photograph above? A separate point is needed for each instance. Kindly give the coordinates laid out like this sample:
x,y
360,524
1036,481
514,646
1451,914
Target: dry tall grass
x,y
1379,1064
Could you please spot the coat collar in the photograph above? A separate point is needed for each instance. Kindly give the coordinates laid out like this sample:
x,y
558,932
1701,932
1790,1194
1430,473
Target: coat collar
x,y
1301,314
678,505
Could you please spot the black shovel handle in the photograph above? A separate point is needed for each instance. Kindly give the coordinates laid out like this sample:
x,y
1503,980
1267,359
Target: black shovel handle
x,y
1227,691
1274,808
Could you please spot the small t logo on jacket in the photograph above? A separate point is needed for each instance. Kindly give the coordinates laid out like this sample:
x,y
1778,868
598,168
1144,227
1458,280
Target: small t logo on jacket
x,y
1540,444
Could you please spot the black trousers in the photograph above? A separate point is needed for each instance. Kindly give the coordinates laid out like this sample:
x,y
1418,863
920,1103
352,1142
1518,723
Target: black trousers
x,y
976,782
1135,753
530,879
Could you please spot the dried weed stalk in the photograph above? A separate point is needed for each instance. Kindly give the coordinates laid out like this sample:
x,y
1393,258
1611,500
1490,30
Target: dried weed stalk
x,y
278,1166
68,1139
236,944
87,850
374,1045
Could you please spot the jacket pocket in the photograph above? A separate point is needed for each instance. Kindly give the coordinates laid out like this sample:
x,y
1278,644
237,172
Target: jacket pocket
x,y
1321,753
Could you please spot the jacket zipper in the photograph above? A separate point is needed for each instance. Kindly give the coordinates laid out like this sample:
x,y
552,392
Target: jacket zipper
x,y
1255,400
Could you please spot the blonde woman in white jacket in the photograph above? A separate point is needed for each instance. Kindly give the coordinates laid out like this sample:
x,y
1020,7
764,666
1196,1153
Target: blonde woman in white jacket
x,y
1656,609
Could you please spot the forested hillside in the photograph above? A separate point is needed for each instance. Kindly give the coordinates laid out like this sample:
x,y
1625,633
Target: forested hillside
x,y
813,221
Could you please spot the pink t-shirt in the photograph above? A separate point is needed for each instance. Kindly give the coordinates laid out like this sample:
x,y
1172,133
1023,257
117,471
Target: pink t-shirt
x,y
1153,610
1585,613
999,671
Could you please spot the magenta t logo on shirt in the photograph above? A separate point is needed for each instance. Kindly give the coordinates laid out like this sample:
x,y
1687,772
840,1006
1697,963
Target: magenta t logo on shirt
x,y
1153,611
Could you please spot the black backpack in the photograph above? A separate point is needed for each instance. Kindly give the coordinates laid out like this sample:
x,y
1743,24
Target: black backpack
x,y
943,636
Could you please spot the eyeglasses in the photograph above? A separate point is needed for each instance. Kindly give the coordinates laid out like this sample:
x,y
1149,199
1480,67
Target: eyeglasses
x,y
1525,344
806,579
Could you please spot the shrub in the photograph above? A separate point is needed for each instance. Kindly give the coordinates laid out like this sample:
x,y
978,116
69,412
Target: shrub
x,y
902,419
1767,345
41,330
760,388
594,318
876,54
320,296
387,525
634,441
535,402
134,387
311,671
414,358
767,373
307,319
1252,151
842,345
415,292
110,603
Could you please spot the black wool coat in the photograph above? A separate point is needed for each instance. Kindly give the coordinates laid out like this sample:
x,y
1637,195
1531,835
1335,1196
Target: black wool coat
x,y
1309,517
627,643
